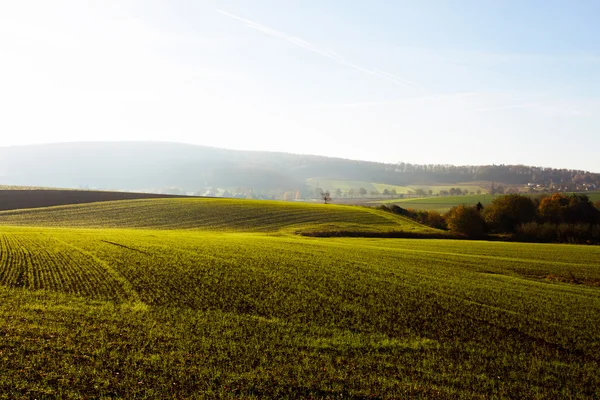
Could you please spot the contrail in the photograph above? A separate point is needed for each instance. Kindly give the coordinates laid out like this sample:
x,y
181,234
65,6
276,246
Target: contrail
x,y
328,54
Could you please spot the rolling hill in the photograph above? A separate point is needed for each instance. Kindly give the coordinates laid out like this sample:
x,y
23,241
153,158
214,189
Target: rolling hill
x,y
212,214
144,166
221,298
139,313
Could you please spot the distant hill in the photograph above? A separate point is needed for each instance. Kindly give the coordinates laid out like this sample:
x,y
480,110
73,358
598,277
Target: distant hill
x,y
146,166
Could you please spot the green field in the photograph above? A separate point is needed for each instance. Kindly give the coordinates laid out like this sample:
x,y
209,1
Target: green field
x,y
199,298
439,203
212,214
345,185
594,196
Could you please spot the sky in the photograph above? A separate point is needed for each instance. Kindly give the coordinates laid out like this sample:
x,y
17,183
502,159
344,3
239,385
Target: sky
x,y
427,82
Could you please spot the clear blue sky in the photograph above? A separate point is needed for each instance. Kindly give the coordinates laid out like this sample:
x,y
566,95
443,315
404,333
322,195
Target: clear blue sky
x,y
459,82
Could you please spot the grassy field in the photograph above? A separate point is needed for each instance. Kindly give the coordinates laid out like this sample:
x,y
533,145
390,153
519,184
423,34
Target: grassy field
x,y
594,196
212,214
439,203
345,185
206,298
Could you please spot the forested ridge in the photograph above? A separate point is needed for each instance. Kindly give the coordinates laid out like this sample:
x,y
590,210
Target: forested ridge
x,y
147,165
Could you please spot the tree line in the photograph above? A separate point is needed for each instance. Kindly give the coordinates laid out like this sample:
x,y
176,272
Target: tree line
x,y
509,174
548,218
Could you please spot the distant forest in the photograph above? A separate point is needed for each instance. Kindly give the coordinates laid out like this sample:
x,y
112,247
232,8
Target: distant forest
x,y
508,174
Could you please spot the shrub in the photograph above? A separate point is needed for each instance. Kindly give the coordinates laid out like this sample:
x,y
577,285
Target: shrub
x,y
436,220
537,233
465,220
430,218
383,207
399,210
419,215
561,233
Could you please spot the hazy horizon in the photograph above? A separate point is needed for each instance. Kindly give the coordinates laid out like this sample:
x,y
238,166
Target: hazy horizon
x,y
467,83
166,142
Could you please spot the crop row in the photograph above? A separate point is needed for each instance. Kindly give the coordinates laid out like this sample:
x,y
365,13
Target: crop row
x,y
427,287
312,280
207,214
337,317
36,261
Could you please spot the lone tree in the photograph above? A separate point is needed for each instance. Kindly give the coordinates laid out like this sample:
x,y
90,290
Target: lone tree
x,y
326,196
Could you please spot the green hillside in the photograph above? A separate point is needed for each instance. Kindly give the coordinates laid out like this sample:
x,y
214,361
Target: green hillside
x,y
101,313
439,203
220,298
211,214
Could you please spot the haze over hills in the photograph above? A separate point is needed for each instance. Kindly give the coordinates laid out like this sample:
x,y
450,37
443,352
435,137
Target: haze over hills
x,y
158,165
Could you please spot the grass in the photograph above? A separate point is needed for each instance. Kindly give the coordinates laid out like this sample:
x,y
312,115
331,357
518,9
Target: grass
x,y
345,185
439,203
594,196
212,214
237,309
